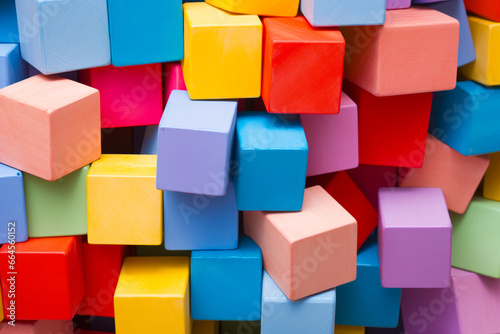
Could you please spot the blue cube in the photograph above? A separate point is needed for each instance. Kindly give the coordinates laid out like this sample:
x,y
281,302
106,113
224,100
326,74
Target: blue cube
x,y
60,35
271,159
8,22
200,222
12,67
13,225
327,13
315,314
145,32
227,284
467,118
364,302
150,141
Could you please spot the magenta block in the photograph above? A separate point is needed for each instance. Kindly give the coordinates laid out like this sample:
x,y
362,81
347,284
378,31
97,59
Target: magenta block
x,y
370,178
332,139
414,236
173,79
398,4
470,305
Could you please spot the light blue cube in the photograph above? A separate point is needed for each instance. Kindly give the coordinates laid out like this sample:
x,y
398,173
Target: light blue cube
x,y
145,32
8,22
227,284
314,314
271,162
329,13
150,141
12,67
13,225
60,35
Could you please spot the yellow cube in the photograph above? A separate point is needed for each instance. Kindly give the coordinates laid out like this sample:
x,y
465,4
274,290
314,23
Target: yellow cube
x,y
152,296
486,68
341,329
259,7
222,53
205,327
491,188
123,205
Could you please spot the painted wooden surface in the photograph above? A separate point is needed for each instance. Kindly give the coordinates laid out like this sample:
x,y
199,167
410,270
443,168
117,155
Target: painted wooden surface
x,y
258,7
491,187
327,13
489,9
173,79
12,206
12,67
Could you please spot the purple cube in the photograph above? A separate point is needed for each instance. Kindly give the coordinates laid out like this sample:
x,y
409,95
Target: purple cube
x,y
398,4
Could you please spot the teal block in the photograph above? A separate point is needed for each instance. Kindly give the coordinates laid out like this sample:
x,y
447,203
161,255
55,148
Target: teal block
x,y
12,206
8,22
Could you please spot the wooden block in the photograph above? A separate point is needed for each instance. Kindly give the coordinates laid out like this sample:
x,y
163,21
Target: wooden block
x,y
398,4
456,174
72,75
327,13
153,36
407,55
194,145
475,238
387,136
491,187
102,265
271,162
152,296
489,9
9,32
258,7
49,126
205,327
343,329
227,284
210,73
292,48
306,258
173,79
414,236
370,178
199,222
486,36
73,37
124,206
39,327
150,140
57,208
130,96
313,314
466,118
12,206
48,275
365,302
12,67
470,305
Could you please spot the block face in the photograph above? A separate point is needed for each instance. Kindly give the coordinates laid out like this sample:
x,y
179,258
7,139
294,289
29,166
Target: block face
x,y
491,187
194,145
57,208
343,329
326,13
414,234
285,88
12,206
50,126
74,37
8,29
152,295
280,315
124,206
398,4
410,69
292,250
210,73
258,7
227,284
173,79
484,8
12,67
271,153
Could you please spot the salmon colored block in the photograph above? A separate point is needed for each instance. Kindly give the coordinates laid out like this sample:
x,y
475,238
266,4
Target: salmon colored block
x,y
491,188
232,69
456,174
49,126
415,51
39,327
309,251
258,7
123,205
302,70
205,327
152,296
342,329
173,79
489,9
486,36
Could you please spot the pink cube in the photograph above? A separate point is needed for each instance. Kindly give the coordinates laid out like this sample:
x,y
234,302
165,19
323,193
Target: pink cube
x,y
173,79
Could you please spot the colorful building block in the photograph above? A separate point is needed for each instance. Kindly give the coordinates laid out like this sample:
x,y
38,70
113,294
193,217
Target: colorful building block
x,y
173,79
398,4
72,75
327,13
12,206
304,259
475,238
48,274
205,327
194,145
456,174
485,35
414,237
387,136
227,284
370,179
258,7
491,187
12,67
39,327
124,206
57,208
313,314
210,73
130,96
489,9
152,296
285,88
271,162
365,302
60,36
469,306
9,32
466,118
49,126
150,141
406,55
343,329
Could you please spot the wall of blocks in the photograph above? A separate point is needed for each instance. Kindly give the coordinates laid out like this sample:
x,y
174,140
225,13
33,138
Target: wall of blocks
x,y
250,166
